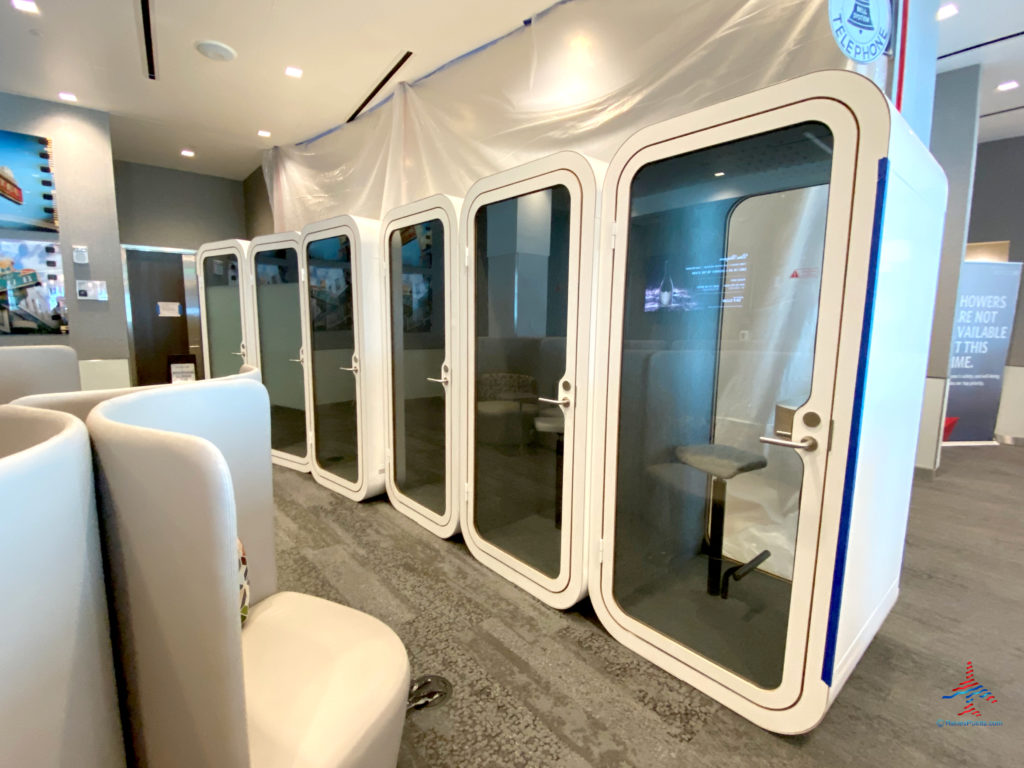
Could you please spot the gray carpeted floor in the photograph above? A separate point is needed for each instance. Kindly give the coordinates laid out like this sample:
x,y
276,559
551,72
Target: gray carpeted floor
x,y
536,687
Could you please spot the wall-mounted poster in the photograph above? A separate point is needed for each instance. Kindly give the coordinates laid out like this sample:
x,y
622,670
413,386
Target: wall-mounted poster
x,y
31,288
26,183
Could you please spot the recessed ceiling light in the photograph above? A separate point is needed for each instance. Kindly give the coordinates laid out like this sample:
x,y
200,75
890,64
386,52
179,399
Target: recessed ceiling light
x,y
188,153
25,6
720,173
216,50
295,72
947,11
1009,85
263,134
65,96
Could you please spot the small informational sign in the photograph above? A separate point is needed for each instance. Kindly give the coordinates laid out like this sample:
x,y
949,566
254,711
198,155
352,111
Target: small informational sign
x,y
80,254
861,28
985,309
182,373
168,309
91,290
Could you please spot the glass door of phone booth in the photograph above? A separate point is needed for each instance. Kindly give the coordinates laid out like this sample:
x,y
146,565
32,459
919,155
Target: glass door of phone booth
x,y
530,237
419,240
277,348
726,279
343,378
223,305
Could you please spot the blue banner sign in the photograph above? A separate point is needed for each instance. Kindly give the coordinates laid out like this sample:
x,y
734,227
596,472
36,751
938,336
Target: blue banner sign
x,y
981,339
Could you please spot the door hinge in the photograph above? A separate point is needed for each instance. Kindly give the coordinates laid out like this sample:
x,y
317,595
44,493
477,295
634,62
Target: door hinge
x,y
831,427
600,551
465,494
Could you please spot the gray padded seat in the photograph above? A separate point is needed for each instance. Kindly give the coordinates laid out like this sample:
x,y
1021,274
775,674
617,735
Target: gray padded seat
x,y
722,461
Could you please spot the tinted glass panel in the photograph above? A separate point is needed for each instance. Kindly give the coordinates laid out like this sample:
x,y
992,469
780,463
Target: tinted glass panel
x,y
332,330
522,285
723,274
223,314
280,325
418,354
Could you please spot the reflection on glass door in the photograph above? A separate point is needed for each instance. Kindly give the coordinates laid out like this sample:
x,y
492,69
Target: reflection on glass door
x,y
223,304
280,338
521,310
419,368
333,356
723,275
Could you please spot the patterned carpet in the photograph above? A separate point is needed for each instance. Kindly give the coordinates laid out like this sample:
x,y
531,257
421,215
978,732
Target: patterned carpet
x,y
536,687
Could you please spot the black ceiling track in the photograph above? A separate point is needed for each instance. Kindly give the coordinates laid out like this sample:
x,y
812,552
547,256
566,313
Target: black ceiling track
x,y
147,33
980,45
1002,112
384,81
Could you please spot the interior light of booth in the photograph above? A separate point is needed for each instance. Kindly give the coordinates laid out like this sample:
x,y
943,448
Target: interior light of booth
x,y
263,134
25,6
66,96
947,11
188,153
295,72
1009,85
720,173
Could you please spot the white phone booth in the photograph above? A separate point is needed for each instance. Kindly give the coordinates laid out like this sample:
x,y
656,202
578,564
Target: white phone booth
x,y
341,326
419,248
223,273
768,270
529,237
276,347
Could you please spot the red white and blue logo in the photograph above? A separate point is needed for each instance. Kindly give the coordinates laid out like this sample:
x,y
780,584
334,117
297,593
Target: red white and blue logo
x,y
973,693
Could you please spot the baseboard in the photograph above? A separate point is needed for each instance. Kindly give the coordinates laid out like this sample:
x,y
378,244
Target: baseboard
x,y
1009,440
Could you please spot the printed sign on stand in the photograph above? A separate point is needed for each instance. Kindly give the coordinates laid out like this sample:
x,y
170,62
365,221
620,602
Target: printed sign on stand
x,y
985,309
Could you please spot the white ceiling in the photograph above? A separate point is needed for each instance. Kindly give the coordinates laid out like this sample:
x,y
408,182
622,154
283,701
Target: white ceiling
x,y
94,49
980,21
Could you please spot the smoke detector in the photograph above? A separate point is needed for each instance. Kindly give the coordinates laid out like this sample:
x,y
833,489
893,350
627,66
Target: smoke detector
x,y
216,51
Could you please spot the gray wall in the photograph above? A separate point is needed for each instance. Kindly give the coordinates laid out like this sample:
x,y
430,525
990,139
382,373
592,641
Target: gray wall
x,y
953,142
259,218
84,190
176,209
998,212
919,67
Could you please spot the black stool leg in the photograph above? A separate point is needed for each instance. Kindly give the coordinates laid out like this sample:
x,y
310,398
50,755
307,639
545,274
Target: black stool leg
x,y
715,535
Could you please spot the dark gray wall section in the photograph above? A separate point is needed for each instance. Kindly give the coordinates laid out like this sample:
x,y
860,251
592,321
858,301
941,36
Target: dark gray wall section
x,y
954,141
259,218
998,212
176,209
84,190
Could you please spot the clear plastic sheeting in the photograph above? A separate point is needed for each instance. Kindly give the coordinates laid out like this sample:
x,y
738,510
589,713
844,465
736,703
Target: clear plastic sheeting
x,y
584,76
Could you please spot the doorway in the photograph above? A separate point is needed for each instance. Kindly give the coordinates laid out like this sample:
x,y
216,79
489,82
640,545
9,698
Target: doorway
x,y
157,311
